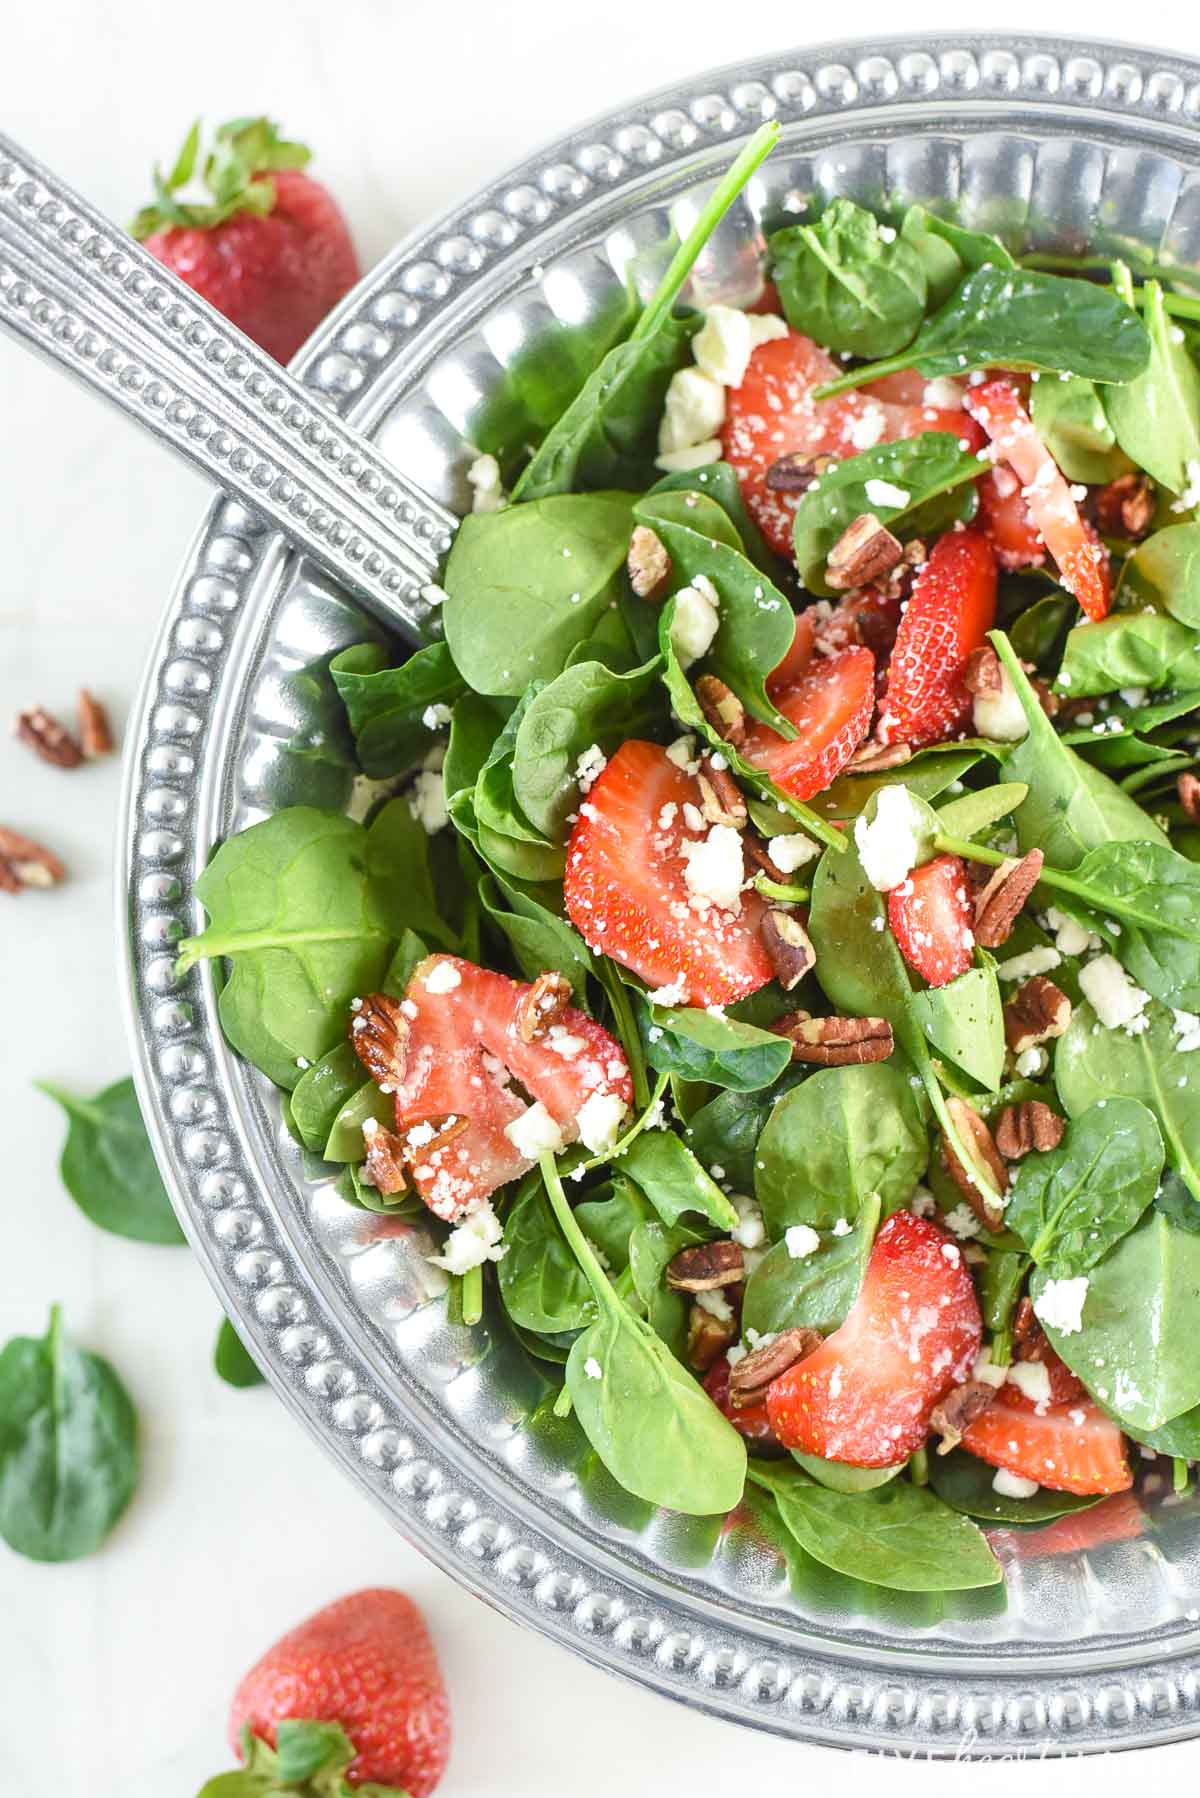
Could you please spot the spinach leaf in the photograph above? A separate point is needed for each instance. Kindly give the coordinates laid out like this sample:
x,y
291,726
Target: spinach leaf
x,y
1166,570
898,1535
1136,1350
674,1182
108,1166
717,481
724,1133
541,1284
1091,1064
68,1446
587,704
1019,318
929,773
965,1484
387,706
843,283
1180,1436
1072,1205
321,1092
928,483
233,1361
811,1291
1156,416
947,250
345,1139
719,1051
1175,1201
525,585
976,811
1038,632
1070,419
1156,893
1129,649
540,940
843,1134
965,1020
476,724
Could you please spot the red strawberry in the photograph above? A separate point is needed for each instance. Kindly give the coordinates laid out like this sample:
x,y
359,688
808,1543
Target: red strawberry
x,y
272,252
626,890
1071,1447
949,613
1117,1519
800,654
751,1421
464,1046
1004,516
831,705
866,1395
931,916
1083,566
367,1663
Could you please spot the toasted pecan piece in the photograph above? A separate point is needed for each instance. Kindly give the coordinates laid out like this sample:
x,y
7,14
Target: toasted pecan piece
x,y
721,799
379,1034
1037,1012
707,1337
835,1042
795,472
977,1140
1125,507
788,946
705,1266
24,863
95,731
874,758
48,738
999,904
750,1377
384,1165
648,564
1025,1127
723,709
865,551
960,1407
542,1005
1188,788
756,851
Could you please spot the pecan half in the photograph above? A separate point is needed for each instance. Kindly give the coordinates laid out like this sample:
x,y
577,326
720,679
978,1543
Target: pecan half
x,y
542,1006
1030,1125
960,1407
757,852
835,1042
977,1140
384,1165
984,672
750,1378
1125,507
379,1034
704,1266
795,473
1028,1335
998,905
24,863
648,564
723,709
1188,788
865,550
707,1337
873,758
48,738
1037,1011
721,799
788,946
95,731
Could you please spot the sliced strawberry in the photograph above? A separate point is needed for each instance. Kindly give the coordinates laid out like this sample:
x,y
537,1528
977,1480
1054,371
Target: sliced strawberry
x,y
866,1395
1083,566
831,705
1005,519
464,1048
949,613
626,890
752,1421
931,915
1070,1447
796,661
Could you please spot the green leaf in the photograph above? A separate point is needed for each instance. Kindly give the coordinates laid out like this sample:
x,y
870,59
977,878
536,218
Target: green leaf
x,y
68,1447
717,481
232,1359
1166,570
965,1484
811,1291
108,1166
932,472
1156,416
1155,892
540,940
541,1284
929,773
1072,1205
979,810
720,1051
386,706
724,1133
965,1020
1129,649
843,283
321,1092
946,250
673,1180
185,163
843,1134
1070,419
586,704
345,1141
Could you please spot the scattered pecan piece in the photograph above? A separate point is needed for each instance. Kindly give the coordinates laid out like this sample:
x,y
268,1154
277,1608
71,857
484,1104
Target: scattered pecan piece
x,y
648,564
749,1379
984,672
95,731
864,552
542,1006
960,1407
873,758
1188,788
788,946
795,473
1037,1011
1125,507
379,1034
24,863
1030,1125
704,1266
723,709
8,880
1031,1341
721,799
758,853
835,1042
384,1165
48,738
977,1140
998,906
707,1337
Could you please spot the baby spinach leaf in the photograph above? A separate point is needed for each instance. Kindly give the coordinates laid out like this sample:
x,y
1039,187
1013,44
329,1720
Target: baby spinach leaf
x,y
843,1134
965,1484
474,728
947,249
1038,632
1180,1436
233,1361
684,1040
847,285
811,1291
1073,1204
919,484
929,773
387,706
320,1093
345,1139
673,1180
976,811
965,1020
540,940
841,1476
724,1133
898,1535
587,704
1156,894
695,512
1175,1201
1092,1063
717,481
68,1446
1156,416
1129,649
541,1283
1070,419
108,1166
1166,570
525,585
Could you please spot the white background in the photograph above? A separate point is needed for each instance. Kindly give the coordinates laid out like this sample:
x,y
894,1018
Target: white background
x,y
115,1673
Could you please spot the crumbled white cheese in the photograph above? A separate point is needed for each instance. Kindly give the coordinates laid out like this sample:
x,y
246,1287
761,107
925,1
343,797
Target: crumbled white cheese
x,y
683,753
843,1227
590,767
791,851
801,1241
1033,1379
433,595
722,345
1113,996
427,801
436,717
442,977
944,394
1059,1305
765,327
477,1239
534,1133
997,714
717,1305
600,1119
697,455
963,1222
889,847
1032,1062
696,621
1013,1485
751,1231
561,1042
922,1203
488,489
715,870
1070,938
1186,1026
1034,961
694,410
593,1369
986,1371
674,993
868,428
886,493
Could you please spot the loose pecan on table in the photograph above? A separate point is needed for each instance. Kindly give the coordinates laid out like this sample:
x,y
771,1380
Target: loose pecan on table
x,y
788,946
1025,1127
384,1165
960,1407
542,1005
379,1033
24,863
723,709
1125,507
998,905
795,473
704,1266
48,738
1037,1012
864,552
721,799
835,1042
648,564
707,1337
977,1140
95,731
751,1376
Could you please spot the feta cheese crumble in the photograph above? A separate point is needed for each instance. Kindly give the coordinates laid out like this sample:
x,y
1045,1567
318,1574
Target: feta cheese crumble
x,y
1059,1305
986,1371
694,410
963,1222
1013,1485
1034,961
534,1133
593,1369
1033,1379
802,1241
714,869
483,476
600,1119
751,1231
791,851
722,345
436,717
443,977
696,620
477,1239
1070,938
590,767
889,846
717,1305
886,493
697,455
427,801
1113,996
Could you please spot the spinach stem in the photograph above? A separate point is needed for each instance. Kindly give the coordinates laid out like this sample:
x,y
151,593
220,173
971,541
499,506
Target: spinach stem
x,y
577,1242
640,1123
771,889
562,1405
472,1295
918,1467
627,1030
986,1190
1002,1346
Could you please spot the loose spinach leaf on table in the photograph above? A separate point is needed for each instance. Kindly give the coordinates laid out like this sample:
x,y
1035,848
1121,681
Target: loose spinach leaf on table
x,y
108,1166
541,1283
665,1169
586,704
848,284
68,1446
1165,569
232,1359
1129,649
386,706
840,1136
687,1041
811,1291
965,1484
1073,1204
1156,416
1091,1063
1070,419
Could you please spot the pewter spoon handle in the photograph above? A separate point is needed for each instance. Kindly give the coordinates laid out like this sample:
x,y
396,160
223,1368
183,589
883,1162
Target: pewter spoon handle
x,y
85,295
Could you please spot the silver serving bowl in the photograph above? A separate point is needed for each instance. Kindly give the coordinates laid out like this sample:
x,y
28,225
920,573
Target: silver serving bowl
x,y
1092,1642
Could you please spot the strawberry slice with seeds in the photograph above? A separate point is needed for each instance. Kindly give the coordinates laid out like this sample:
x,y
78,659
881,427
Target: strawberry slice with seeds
x,y
949,613
1006,521
1082,560
750,1421
831,704
1070,1447
931,916
867,1394
627,889
464,1051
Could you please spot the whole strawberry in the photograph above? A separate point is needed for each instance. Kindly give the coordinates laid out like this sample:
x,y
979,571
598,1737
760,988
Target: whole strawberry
x,y
350,1701
266,245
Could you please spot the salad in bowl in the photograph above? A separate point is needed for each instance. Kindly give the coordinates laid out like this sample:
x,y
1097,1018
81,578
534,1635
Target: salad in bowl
x,y
767,938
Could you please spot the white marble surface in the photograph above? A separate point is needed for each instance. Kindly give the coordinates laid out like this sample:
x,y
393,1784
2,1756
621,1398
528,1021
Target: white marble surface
x,y
115,1672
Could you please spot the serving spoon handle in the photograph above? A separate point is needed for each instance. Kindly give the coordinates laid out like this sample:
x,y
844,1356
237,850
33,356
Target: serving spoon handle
x,y
78,290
